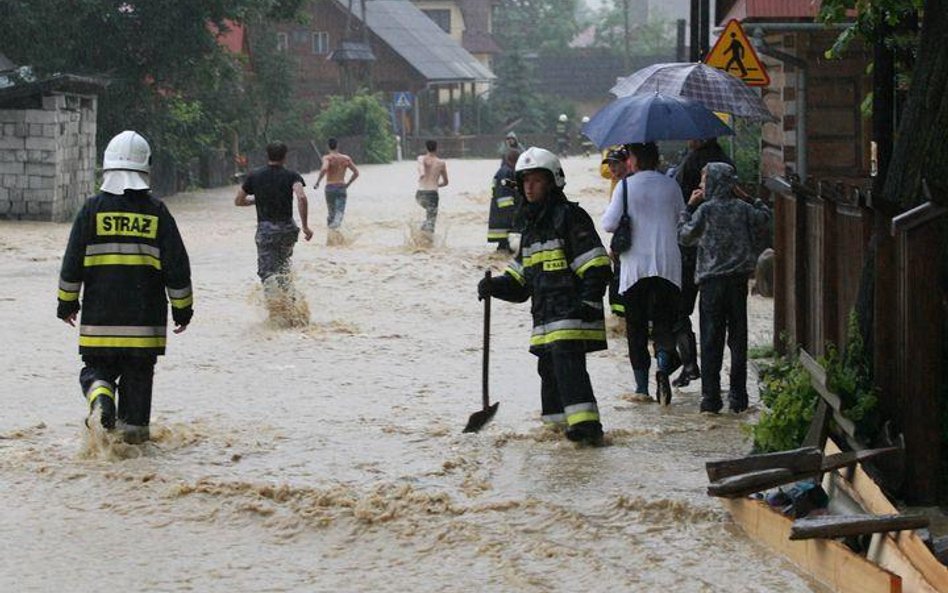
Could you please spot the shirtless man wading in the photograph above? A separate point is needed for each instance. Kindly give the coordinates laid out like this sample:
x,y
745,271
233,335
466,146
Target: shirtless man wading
x,y
334,170
432,174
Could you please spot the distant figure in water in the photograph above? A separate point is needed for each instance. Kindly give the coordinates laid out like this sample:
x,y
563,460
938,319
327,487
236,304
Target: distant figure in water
x,y
124,254
273,187
334,169
432,175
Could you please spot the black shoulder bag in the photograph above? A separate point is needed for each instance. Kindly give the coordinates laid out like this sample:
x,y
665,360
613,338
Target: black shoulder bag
x,y
622,237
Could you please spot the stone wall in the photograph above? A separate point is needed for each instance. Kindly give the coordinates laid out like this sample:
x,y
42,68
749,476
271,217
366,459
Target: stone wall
x,y
47,158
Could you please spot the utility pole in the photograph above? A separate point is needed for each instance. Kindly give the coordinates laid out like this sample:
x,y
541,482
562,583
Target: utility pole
x,y
694,43
705,44
626,57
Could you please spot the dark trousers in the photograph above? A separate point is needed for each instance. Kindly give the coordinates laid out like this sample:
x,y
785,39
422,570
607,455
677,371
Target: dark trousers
x,y
428,199
564,382
723,312
129,380
652,299
335,205
689,290
275,242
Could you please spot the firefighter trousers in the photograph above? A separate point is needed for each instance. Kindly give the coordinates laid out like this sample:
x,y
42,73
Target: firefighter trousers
x,y
127,379
566,392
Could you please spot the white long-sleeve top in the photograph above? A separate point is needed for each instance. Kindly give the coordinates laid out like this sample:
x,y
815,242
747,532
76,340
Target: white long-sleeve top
x,y
655,203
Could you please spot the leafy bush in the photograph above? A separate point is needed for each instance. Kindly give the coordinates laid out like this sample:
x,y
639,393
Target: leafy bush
x,y
361,115
849,376
791,401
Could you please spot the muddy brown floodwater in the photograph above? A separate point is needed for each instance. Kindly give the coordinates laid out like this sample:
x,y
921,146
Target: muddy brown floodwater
x,y
329,456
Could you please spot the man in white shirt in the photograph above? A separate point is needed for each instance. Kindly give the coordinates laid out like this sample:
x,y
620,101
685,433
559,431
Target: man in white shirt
x,y
650,276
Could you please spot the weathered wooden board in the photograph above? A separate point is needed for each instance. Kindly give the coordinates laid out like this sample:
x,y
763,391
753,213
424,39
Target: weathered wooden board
x,y
833,526
749,483
828,561
905,545
805,459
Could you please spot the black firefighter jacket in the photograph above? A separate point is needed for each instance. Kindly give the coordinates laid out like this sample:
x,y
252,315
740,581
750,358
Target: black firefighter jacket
x,y
562,264
125,253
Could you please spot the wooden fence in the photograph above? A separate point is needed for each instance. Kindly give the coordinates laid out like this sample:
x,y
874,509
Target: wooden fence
x,y
821,241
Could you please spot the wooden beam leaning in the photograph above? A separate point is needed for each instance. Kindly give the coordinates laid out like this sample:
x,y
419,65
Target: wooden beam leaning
x,y
805,459
818,380
833,526
744,484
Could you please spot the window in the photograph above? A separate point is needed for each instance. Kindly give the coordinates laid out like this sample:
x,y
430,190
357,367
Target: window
x,y
320,42
283,42
441,17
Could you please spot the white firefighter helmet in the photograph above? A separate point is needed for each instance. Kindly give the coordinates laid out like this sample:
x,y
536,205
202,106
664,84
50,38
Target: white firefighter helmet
x,y
126,163
535,158
585,119
563,117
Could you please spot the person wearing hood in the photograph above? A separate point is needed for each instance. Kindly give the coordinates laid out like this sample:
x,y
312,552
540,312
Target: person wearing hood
x,y
723,227
124,255
688,176
562,265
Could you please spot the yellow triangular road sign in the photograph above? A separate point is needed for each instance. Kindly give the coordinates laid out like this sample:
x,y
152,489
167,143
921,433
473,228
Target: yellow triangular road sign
x,y
734,54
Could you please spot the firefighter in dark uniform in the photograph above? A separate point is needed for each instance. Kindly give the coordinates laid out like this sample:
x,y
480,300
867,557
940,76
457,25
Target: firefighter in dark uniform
x,y
124,255
563,266
503,203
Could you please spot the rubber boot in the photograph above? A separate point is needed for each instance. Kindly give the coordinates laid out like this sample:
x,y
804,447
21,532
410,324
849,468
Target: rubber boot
x,y
641,380
688,350
588,432
663,391
106,407
135,435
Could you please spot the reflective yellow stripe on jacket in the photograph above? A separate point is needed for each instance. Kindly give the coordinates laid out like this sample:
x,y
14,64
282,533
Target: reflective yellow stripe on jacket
x,y
181,298
592,258
568,329
122,336
69,291
122,254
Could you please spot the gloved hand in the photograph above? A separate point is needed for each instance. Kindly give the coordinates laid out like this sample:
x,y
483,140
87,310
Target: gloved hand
x,y
484,288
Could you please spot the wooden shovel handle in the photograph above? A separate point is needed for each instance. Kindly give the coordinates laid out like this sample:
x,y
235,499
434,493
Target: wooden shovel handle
x,y
484,381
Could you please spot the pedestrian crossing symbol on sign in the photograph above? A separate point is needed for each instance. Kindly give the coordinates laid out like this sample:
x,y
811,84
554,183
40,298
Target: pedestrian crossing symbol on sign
x,y
403,100
734,54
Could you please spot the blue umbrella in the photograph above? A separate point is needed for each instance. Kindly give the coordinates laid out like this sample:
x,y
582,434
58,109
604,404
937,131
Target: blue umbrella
x,y
649,118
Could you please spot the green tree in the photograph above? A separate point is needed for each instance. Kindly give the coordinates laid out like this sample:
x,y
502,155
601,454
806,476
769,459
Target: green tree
x,y
169,77
653,37
546,26
363,114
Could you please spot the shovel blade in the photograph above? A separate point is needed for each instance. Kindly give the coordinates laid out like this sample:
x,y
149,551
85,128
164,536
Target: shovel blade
x,y
480,418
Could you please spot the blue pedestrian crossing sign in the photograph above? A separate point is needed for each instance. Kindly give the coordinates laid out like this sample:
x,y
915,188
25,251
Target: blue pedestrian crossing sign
x,y
403,100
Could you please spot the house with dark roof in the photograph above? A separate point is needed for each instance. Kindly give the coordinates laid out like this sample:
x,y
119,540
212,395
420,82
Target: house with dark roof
x,y
469,22
386,45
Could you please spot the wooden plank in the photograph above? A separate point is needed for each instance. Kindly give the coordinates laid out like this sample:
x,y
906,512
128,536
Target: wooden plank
x,y
829,562
838,460
819,426
861,488
818,380
833,526
751,482
796,460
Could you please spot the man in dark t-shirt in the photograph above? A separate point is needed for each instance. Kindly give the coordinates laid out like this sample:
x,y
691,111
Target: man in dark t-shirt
x,y
273,188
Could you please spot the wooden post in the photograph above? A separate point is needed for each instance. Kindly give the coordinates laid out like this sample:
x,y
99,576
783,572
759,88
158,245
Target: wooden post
x,y
919,238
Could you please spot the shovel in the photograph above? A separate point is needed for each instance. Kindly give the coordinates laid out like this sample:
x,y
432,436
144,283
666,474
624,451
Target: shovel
x,y
480,418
